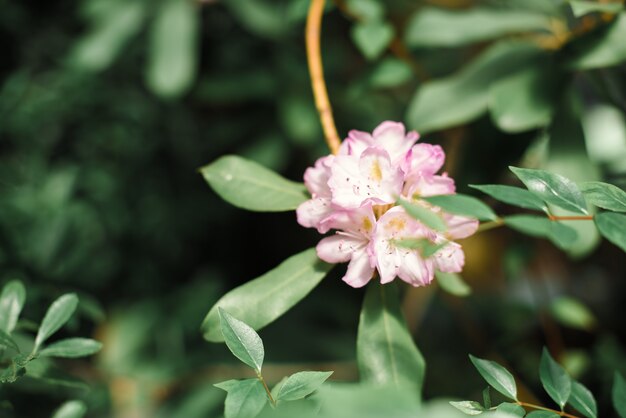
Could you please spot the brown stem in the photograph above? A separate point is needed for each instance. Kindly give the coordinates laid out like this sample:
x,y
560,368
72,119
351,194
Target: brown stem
x,y
571,218
543,408
490,225
269,393
314,56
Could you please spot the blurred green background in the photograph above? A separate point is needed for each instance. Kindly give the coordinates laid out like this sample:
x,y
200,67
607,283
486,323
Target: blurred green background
x,y
108,108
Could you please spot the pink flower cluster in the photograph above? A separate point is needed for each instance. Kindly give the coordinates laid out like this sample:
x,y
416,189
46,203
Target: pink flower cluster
x,y
355,194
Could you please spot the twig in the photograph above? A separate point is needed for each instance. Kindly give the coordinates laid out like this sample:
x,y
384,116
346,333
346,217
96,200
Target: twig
x,y
561,413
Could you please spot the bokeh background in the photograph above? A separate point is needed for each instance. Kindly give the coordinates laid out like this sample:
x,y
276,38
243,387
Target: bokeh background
x,y
108,108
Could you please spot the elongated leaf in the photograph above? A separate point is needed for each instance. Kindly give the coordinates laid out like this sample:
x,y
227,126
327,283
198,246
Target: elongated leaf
x,y
511,409
300,385
554,379
72,348
572,313
7,341
469,407
583,7
58,314
242,340
426,247
515,196
538,226
552,188
262,300
605,195
542,414
618,394
248,185
612,226
245,398
463,205
386,353
71,409
424,215
11,303
602,49
372,38
582,400
497,376
453,284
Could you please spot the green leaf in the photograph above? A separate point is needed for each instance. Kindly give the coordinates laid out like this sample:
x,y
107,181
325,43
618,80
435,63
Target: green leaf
x,y
542,414
173,48
618,394
391,72
511,409
469,407
554,379
487,397
604,48
582,400
372,37
262,300
497,376
7,341
460,204
453,284
464,96
72,348
250,186
366,9
424,215
58,314
538,226
583,7
71,409
572,313
242,340
612,226
434,27
604,195
515,196
245,399
552,188
11,303
386,352
425,246
300,385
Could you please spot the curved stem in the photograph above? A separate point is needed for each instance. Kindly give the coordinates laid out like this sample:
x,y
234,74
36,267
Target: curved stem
x,y
543,408
267,390
314,57
571,218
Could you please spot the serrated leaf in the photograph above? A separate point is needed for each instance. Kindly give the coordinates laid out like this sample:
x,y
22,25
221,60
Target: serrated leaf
x,y
604,48
511,409
250,186
57,315
515,196
572,313
538,226
605,195
262,300
612,226
453,284
300,385
424,215
554,379
618,395
552,188
372,37
583,7
11,303
245,398
71,348
7,341
582,400
460,204
242,340
71,409
468,407
497,376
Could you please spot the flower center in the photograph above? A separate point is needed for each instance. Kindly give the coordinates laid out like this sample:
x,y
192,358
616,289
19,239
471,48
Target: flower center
x,y
379,210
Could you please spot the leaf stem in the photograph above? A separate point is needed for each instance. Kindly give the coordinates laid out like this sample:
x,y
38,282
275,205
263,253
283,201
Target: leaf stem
x,y
486,226
570,218
314,58
543,408
267,390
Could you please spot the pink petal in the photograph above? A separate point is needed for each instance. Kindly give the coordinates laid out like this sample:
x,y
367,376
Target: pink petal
x,y
338,248
460,227
311,213
316,178
359,271
450,258
356,143
360,221
414,269
383,181
423,159
425,186
392,137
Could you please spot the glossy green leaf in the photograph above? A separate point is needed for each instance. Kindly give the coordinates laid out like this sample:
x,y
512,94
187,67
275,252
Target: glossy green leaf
x,y
539,226
552,188
391,72
583,7
582,400
173,49
542,414
434,27
57,315
300,385
515,196
618,395
554,379
604,48
487,397
572,313
469,407
372,37
250,186
386,352
366,9
612,226
7,341
511,409
497,376
424,215
71,409
245,398
242,340
71,348
460,204
453,284
11,303
262,300
604,195
425,246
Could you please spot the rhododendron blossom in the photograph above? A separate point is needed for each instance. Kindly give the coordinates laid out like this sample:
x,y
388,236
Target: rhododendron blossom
x,y
355,193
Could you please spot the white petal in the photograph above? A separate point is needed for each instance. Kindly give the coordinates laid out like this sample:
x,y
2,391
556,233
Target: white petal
x,y
316,178
311,213
359,270
392,137
450,258
460,227
339,248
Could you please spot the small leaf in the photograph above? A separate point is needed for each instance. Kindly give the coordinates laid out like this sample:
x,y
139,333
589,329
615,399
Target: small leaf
x,y
582,400
250,186
515,196
604,48
469,407
460,204
453,284
245,399
511,409
301,384
58,314
242,340
619,395
7,341
424,215
11,303
604,195
554,379
71,409
612,226
572,313
542,414
366,9
372,38
553,188
583,7
538,226
497,376
487,397
72,348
